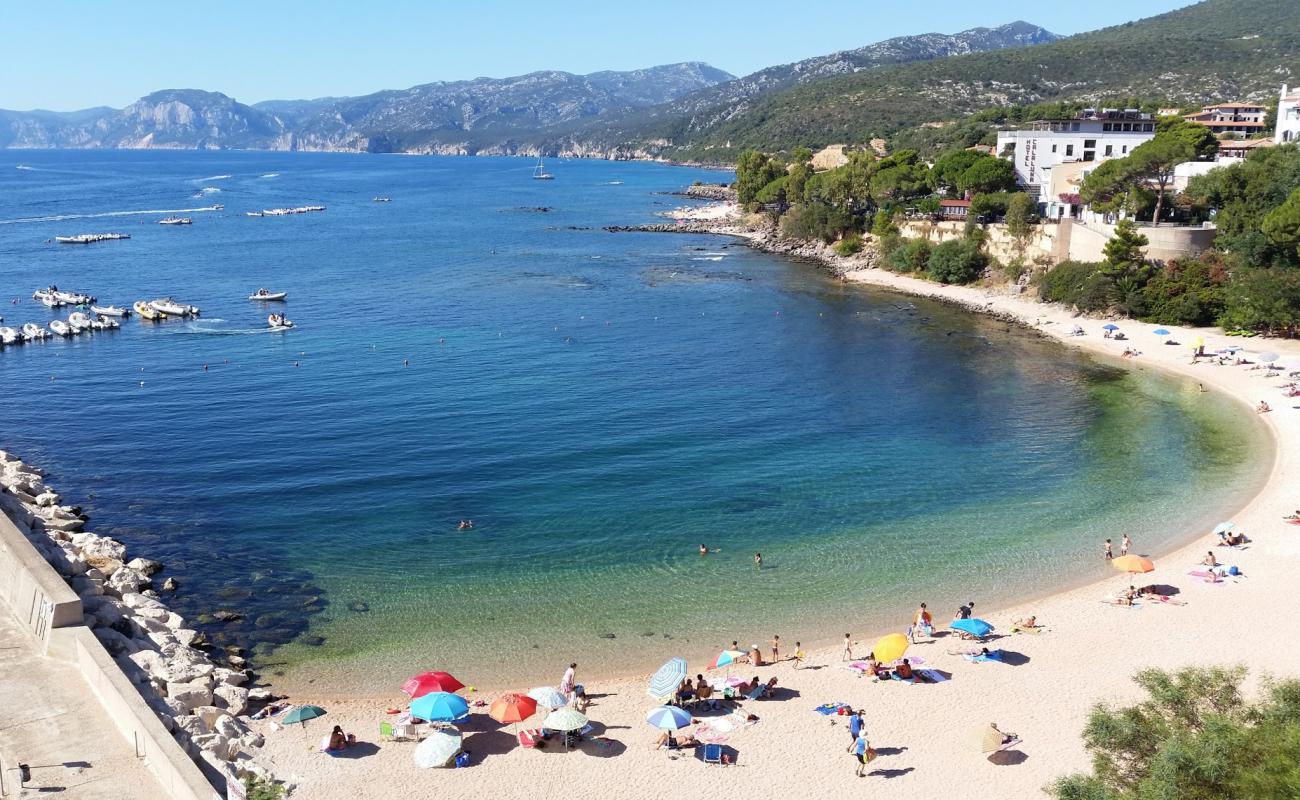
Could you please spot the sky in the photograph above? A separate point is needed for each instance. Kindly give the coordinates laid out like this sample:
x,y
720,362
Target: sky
x,y
70,54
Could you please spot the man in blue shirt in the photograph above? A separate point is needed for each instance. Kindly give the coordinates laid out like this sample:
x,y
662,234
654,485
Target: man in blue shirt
x,y
855,725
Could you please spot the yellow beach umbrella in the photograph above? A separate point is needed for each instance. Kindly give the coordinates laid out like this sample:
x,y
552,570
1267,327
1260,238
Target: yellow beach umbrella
x,y
890,648
1132,563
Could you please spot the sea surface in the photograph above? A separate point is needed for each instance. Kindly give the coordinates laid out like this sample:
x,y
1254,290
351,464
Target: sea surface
x,y
599,405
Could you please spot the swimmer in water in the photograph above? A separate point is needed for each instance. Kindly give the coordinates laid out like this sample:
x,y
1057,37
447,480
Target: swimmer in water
x,y
704,551
758,560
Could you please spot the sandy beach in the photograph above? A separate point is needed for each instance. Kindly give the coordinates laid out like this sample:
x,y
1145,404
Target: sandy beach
x,y
1087,653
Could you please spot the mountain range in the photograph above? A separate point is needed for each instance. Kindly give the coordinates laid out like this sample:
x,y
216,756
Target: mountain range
x,y
1213,50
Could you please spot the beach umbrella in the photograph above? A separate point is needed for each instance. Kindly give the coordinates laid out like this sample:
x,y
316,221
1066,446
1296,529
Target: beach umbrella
x,y
664,683
1109,327
1268,358
1132,563
1236,348
890,647
301,714
565,719
726,657
1224,527
512,708
440,707
989,738
437,749
975,627
1160,332
427,682
548,697
668,718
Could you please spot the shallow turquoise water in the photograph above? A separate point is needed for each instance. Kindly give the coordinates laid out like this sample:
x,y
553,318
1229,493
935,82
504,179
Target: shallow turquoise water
x,y
600,404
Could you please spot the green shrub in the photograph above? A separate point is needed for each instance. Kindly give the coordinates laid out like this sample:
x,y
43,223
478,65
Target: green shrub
x,y
913,256
1190,292
956,262
1064,282
1013,269
849,245
259,789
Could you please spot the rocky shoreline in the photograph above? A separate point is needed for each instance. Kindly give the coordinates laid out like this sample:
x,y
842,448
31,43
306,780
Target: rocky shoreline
x,y
203,698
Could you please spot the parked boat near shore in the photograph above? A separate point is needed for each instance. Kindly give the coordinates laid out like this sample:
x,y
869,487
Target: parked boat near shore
x,y
60,328
111,311
172,308
266,295
147,311
79,322
10,335
33,332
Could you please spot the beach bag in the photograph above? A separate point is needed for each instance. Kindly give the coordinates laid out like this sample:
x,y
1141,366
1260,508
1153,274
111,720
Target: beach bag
x,y
1233,570
870,755
462,759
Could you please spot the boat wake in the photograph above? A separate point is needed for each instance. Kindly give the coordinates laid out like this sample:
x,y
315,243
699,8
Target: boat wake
x,y
271,175
62,217
209,190
24,166
210,178
707,258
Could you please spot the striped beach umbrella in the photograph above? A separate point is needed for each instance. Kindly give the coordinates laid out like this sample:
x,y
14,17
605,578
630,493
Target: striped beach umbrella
x,y
726,657
664,683
668,718
565,719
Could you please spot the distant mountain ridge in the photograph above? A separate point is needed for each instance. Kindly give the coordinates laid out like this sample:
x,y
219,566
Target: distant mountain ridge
x,y
420,119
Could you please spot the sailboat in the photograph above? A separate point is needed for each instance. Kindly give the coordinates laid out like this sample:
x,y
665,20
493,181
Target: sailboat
x,y
540,173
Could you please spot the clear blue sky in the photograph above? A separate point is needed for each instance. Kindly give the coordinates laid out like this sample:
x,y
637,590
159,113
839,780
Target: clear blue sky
x,y
63,55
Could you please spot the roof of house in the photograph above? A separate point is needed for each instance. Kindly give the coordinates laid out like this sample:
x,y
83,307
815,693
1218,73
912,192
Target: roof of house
x,y
1232,105
954,204
1244,144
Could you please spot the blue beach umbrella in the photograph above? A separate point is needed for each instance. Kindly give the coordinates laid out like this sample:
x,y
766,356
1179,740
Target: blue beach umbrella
x,y
668,718
975,627
301,714
1160,332
664,683
440,707
1224,527
1268,358
1110,327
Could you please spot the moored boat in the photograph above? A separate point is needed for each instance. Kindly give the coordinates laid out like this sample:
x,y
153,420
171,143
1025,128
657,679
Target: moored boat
x,y
147,311
60,328
111,311
47,299
73,298
172,308
267,295
175,221
10,335
79,322
32,332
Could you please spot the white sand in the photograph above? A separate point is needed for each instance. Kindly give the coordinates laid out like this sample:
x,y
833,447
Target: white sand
x,y
1088,655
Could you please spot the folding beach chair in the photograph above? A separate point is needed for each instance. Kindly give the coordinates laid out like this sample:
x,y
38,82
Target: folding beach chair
x,y
386,731
713,754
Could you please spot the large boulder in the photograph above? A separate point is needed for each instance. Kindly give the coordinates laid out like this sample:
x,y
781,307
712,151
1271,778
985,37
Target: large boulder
x,y
94,545
186,665
145,566
152,664
229,727
233,698
126,581
191,695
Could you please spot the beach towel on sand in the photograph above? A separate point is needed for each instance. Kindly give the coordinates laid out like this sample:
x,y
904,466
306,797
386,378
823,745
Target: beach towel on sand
x,y
995,655
934,676
828,709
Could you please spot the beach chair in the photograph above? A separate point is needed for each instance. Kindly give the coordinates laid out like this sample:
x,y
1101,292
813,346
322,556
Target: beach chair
x,y
386,731
713,754
756,692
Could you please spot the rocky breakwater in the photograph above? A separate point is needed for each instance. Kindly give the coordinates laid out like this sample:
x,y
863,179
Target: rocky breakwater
x,y
710,191
204,704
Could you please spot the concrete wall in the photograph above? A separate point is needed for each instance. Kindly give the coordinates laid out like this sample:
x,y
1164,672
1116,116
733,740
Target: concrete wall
x,y
46,606
999,244
35,594
179,776
1167,242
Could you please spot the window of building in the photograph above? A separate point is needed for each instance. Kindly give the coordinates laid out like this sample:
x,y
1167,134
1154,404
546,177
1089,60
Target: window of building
x,y
1125,148
1053,148
1148,127
1074,126
1069,150
1089,144
1106,127
1110,150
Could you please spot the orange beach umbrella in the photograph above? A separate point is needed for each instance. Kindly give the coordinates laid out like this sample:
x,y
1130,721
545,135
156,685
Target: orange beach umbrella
x,y
1132,563
512,708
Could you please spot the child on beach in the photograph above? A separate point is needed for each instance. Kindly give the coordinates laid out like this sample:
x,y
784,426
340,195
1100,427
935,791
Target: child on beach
x,y
848,648
798,654
776,648
1107,547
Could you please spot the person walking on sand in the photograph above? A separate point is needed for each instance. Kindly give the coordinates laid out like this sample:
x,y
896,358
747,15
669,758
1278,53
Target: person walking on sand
x,y
567,683
798,654
860,751
1108,552
848,648
857,723
776,648
1124,545
965,611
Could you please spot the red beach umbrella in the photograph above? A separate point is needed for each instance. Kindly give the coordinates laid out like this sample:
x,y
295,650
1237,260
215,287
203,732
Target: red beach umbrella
x,y
427,682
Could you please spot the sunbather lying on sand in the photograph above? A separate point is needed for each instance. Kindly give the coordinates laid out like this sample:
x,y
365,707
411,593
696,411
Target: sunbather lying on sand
x,y
1231,539
666,739
1154,594
982,651
1027,625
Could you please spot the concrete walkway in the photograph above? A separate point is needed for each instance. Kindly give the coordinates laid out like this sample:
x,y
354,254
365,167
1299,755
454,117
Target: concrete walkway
x,y
50,720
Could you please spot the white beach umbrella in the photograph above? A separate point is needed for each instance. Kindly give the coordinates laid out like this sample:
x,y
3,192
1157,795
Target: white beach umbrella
x,y
438,749
547,696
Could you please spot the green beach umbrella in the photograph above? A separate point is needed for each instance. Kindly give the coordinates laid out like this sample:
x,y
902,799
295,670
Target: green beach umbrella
x,y
301,714
565,719
438,749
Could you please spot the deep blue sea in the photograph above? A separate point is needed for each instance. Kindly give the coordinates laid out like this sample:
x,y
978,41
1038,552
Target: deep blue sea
x,y
598,404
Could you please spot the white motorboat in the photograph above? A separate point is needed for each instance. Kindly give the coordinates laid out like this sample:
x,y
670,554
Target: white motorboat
x,y
32,332
172,308
79,322
47,298
279,322
266,295
111,311
175,221
60,328
10,335
73,298
91,238
107,323
382,199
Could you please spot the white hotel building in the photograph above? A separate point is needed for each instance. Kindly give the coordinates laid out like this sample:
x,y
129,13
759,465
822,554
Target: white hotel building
x,y
1092,136
1288,116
